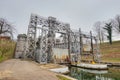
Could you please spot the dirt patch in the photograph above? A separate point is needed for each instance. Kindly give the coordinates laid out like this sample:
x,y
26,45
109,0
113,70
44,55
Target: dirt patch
x,y
51,66
4,74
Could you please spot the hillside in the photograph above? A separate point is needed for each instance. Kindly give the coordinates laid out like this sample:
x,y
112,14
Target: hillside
x,y
6,49
110,53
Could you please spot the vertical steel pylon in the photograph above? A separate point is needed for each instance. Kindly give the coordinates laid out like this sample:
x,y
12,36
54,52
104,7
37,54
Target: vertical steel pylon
x,y
42,53
51,37
31,37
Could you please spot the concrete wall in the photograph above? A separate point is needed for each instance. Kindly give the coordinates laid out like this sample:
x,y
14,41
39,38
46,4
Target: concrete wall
x,y
20,47
60,55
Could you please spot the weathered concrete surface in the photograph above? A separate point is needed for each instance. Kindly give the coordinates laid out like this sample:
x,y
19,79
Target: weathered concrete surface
x,y
16,69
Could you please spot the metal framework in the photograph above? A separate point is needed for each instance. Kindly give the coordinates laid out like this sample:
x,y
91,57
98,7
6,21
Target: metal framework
x,y
48,26
40,49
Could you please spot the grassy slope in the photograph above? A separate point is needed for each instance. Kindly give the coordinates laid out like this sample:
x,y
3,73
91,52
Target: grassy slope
x,y
110,53
6,49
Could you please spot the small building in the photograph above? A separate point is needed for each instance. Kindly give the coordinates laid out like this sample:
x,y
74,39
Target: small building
x,y
21,45
5,38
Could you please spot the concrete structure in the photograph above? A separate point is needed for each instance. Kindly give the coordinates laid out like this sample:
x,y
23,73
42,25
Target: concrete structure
x,y
21,44
93,66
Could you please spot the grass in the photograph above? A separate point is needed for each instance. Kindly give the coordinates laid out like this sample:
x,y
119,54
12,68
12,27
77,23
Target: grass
x,y
107,48
62,77
110,53
6,49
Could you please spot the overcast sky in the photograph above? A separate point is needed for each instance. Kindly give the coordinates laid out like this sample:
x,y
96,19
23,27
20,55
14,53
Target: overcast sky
x,y
79,13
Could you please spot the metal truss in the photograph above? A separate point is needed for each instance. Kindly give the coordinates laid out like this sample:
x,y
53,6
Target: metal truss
x,y
49,26
40,48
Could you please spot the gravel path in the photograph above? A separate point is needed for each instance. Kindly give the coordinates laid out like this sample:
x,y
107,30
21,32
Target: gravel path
x,y
16,69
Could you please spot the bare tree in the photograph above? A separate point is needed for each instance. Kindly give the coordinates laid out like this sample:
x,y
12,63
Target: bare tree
x,y
98,28
116,23
6,28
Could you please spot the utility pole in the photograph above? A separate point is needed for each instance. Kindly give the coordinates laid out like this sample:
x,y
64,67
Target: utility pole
x,y
69,44
92,45
81,45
